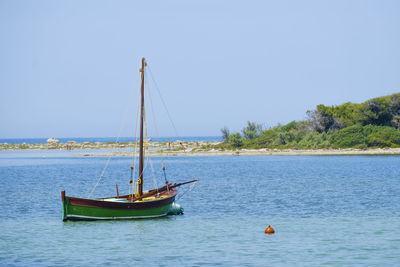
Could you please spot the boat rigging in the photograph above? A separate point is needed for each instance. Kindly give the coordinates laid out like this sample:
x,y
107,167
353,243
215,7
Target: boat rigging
x,y
153,203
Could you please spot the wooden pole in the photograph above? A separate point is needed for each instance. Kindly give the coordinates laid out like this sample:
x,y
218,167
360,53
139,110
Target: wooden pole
x,y
141,152
161,189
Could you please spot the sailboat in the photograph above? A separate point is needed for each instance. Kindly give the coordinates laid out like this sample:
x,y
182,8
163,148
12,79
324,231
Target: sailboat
x,y
153,203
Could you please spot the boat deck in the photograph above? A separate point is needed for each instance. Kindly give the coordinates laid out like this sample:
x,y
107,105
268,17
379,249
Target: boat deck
x,y
125,200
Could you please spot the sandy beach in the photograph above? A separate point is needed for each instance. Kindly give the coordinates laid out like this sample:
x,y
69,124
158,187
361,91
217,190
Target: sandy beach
x,y
258,152
187,149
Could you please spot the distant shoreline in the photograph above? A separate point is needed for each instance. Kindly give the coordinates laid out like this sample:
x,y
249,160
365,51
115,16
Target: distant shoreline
x,y
108,139
258,152
180,148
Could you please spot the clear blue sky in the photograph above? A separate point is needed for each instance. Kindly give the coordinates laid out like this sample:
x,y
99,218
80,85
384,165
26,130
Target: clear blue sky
x,y
70,68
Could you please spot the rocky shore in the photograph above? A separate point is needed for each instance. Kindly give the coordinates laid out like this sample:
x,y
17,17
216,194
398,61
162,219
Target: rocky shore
x,y
180,148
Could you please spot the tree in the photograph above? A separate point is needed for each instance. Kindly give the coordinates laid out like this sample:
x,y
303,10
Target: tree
x,y
225,134
396,121
235,140
322,120
395,110
377,112
252,130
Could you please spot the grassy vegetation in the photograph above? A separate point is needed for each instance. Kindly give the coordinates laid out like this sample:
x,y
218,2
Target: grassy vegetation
x,y
374,123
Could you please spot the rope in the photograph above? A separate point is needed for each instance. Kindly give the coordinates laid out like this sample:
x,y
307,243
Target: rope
x,y
155,125
162,100
131,184
156,130
152,107
154,176
109,158
191,187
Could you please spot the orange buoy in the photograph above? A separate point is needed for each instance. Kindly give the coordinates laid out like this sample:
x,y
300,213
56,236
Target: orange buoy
x,y
269,230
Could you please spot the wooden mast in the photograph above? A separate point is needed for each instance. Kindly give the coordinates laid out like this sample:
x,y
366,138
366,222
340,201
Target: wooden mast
x,y
141,152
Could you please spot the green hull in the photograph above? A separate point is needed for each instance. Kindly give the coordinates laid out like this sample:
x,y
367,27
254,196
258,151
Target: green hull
x,y
83,212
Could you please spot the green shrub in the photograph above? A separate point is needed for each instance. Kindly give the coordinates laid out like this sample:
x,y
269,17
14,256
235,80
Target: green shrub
x,y
348,137
235,140
382,136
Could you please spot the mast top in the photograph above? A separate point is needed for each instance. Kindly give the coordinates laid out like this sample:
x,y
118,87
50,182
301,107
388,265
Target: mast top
x,y
144,64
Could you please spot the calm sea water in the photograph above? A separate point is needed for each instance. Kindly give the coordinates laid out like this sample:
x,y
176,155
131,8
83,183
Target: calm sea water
x,y
326,210
109,139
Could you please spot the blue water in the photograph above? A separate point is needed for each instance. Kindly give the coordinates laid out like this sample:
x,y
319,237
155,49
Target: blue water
x,y
109,139
326,210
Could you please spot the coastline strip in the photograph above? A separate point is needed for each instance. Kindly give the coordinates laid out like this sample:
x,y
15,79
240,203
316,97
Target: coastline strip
x,y
257,152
